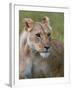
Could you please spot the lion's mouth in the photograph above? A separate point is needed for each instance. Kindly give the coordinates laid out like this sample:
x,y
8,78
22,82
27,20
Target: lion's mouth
x,y
44,51
44,54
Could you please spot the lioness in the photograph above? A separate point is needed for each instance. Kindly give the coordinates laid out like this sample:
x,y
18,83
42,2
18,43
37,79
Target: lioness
x,y
40,55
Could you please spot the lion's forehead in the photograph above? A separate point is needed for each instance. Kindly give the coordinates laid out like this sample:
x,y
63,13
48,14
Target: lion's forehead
x,y
39,27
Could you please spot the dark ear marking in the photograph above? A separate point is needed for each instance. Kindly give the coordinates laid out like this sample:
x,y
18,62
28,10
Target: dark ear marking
x,y
48,34
28,24
45,19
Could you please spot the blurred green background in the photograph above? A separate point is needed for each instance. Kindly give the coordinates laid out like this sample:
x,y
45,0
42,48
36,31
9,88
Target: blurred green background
x,y
56,21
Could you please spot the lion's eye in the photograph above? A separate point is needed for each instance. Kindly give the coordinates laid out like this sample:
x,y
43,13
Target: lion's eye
x,y
48,34
38,35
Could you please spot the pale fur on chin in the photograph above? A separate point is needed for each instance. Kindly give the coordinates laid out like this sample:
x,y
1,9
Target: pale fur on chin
x,y
44,55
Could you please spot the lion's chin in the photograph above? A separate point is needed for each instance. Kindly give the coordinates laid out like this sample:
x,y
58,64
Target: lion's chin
x,y
45,55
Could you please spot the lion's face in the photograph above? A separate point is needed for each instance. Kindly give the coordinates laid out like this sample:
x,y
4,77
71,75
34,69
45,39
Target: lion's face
x,y
39,38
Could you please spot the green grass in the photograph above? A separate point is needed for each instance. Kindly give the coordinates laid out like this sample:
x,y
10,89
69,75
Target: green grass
x,y
56,21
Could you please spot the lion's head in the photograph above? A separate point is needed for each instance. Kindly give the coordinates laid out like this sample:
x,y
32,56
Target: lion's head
x,y
39,36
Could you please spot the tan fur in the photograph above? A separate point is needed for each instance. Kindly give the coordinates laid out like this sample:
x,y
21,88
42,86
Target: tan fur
x,y
34,40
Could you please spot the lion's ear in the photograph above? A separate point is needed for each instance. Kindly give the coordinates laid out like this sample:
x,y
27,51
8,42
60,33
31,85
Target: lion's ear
x,y
46,21
28,24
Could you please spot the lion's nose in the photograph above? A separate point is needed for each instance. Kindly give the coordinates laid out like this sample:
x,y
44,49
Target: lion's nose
x,y
46,47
